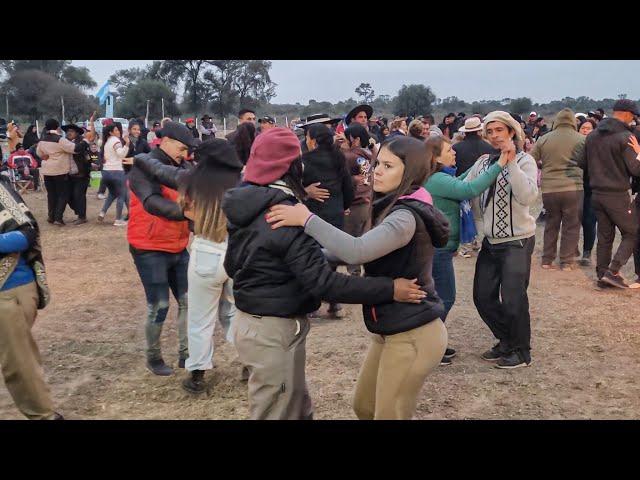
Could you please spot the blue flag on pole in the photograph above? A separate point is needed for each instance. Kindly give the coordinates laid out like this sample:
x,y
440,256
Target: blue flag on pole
x,y
103,93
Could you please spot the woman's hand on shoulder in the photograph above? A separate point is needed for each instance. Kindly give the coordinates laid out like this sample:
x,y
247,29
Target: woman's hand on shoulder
x,y
288,215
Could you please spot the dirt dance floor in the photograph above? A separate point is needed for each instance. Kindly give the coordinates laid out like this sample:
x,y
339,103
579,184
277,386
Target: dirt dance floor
x,y
585,341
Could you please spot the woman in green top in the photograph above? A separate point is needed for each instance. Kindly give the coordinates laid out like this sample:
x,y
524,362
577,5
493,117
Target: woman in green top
x,y
448,191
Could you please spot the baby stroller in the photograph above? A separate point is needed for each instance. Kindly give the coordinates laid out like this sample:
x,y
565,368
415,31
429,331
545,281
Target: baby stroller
x,y
21,168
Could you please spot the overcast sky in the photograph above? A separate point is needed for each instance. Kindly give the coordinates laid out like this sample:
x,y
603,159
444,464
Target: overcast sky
x,y
335,80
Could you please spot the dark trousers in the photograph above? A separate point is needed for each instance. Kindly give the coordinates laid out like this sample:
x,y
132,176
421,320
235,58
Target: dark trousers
x,y
357,223
159,273
103,186
444,278
500,291
564,210
589,223
57,195
78,195
614,210
636,251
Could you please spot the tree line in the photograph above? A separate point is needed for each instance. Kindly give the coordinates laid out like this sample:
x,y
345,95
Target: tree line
x,y
33,89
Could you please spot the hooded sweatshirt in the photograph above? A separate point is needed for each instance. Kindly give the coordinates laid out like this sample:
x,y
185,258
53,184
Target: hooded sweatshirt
x,y
283,272
557,153
609,161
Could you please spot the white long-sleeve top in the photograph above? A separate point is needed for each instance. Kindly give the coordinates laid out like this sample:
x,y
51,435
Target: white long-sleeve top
x,y
114,152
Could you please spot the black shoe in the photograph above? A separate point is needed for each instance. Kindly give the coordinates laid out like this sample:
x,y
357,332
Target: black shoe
x,y
542,217
194,383
244,374
313,315
79,221
495,354
585,261
513,360
158,367
602,284
614,280
334,310
55,416
59,224
181,363
449,353
445,361
50,220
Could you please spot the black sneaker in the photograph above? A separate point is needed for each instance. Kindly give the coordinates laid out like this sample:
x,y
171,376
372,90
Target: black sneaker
x,y
513,360
59,224
335,310
494,354
602,284
79,221
244,374
449,353
445,361
614,280
55,416
194,383
158,367
181,363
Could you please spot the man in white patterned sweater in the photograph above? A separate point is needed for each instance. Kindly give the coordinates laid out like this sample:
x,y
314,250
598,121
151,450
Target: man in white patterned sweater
x,y
504,262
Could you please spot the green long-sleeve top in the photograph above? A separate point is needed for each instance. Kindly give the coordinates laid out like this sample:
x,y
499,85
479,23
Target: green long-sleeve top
x,y
448,191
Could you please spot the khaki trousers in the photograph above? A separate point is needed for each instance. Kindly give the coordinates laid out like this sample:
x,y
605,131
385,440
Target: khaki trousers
x,y
19,356
273,349
394,372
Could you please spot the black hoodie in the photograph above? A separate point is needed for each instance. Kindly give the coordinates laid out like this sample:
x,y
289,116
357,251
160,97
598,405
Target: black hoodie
x,y
609,161
283,272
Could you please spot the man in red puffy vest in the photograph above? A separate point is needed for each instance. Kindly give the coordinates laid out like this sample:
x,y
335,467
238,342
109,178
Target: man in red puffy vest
x,y
158,234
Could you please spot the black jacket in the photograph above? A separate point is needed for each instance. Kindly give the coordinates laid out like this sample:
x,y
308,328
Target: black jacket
x,y
609,161
283,272
469,150
141,147
81,159
414,260
149,191
320,166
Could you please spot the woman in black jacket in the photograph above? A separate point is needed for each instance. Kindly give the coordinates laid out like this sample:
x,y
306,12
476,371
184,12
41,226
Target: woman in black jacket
x,y
137,145
281,275
410,339
325,168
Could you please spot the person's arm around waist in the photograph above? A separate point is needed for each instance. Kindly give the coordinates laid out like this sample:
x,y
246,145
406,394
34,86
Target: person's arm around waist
x,y
152,200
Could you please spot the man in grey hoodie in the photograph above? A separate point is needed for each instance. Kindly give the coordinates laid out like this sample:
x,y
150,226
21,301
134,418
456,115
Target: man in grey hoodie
x,y
504,262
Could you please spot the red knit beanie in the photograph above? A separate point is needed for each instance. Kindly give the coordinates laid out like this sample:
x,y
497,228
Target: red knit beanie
x,y
271,155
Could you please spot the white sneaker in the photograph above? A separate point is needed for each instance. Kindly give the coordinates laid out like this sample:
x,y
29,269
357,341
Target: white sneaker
x,y
101,217
119,223
102,196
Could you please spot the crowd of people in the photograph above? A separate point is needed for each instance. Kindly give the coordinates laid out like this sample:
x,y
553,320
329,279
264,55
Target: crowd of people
x,y
252,228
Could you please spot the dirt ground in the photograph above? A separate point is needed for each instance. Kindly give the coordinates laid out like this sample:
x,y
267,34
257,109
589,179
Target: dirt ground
x,y
586,345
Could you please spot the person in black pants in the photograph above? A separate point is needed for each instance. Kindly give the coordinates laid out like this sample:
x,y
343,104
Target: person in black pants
x,y
78,182
57,196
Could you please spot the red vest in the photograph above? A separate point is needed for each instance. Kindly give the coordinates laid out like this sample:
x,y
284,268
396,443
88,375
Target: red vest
x,y
149,232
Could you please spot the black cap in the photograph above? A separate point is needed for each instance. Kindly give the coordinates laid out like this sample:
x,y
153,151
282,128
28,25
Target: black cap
x,y
179,132
626,105
267,119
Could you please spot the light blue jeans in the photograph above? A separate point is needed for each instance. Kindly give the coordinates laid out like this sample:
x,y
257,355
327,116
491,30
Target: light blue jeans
x,y
210,297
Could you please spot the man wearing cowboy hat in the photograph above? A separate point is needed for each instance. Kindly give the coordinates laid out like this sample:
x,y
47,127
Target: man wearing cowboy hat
x,y
79,177
207,128
312,120
472,147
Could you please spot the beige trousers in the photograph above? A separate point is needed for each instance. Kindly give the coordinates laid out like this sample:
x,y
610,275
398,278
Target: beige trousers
x,y
273,349
394,372
19,356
